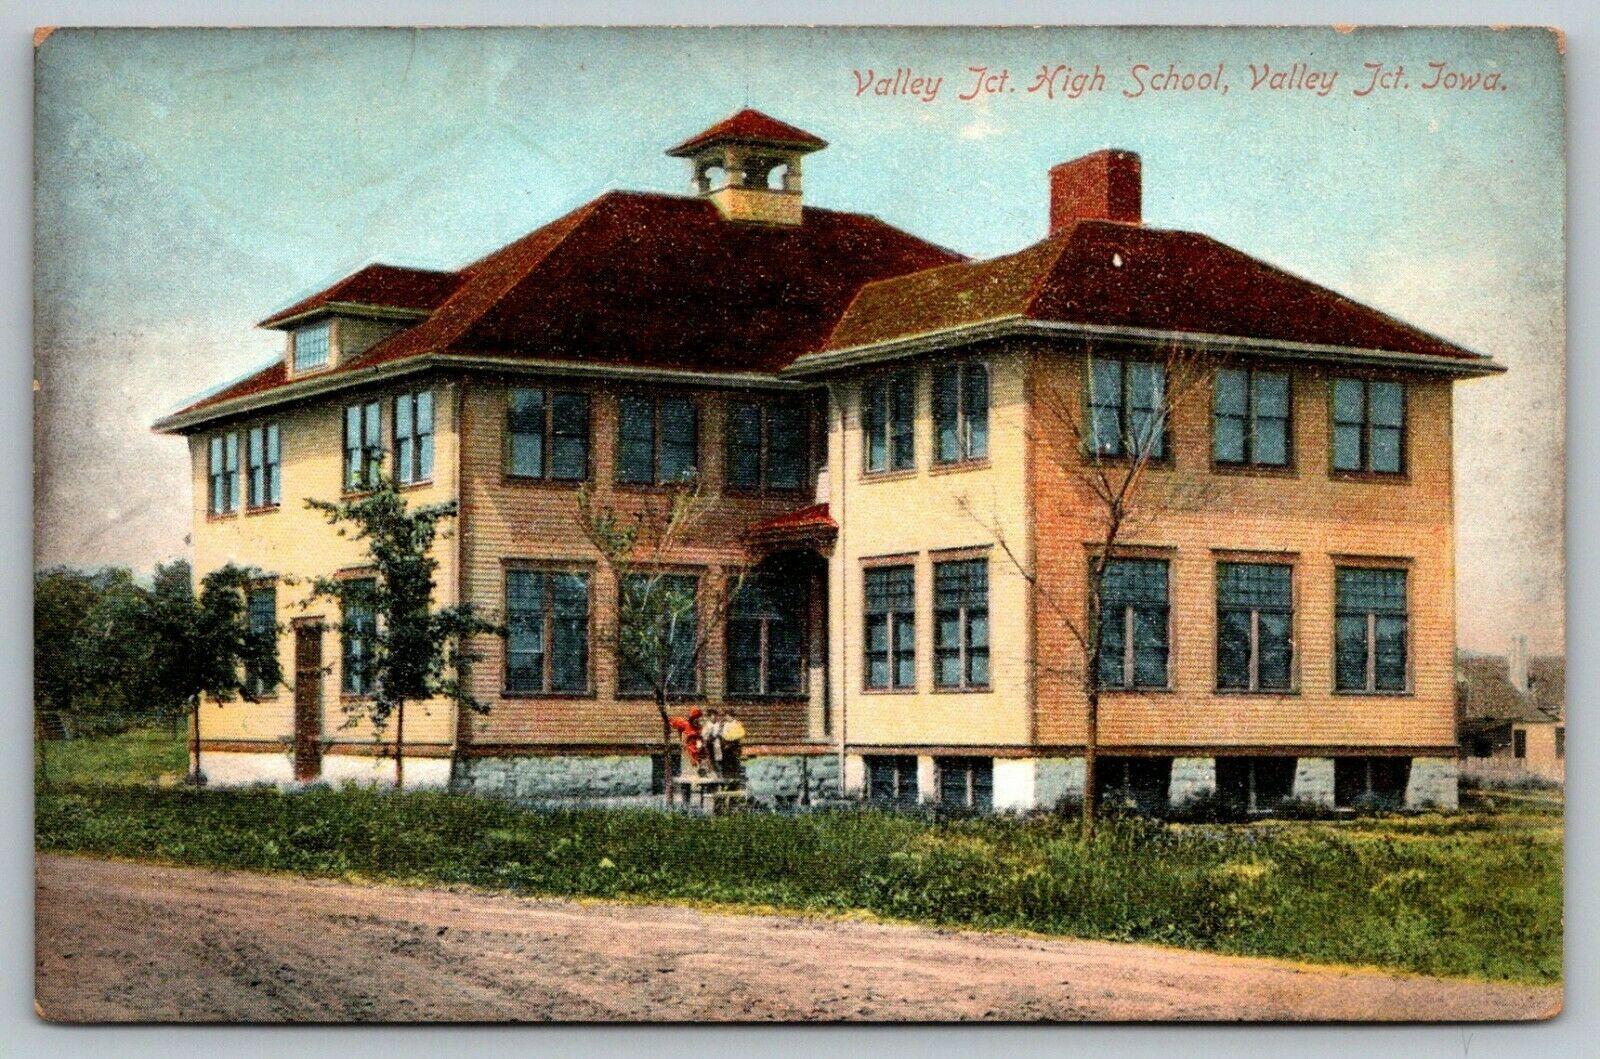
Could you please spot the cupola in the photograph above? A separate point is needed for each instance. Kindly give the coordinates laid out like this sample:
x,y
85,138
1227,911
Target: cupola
x,y
749,166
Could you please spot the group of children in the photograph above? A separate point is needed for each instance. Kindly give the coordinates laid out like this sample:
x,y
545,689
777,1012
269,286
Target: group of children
x,y
712,738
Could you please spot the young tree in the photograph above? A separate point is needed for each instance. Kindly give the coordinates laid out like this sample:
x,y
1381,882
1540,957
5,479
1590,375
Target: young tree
x,y
1105,444
412,650
664,620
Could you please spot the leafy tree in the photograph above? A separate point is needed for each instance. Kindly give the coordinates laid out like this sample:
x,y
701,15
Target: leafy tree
x,y
663,624
415,651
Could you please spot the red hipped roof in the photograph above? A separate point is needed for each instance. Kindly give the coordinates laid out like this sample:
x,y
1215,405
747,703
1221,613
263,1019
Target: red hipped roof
x,y
750,126
390,286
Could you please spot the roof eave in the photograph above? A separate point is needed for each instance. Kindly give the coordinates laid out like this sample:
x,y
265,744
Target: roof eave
x,y
340,308
1016,325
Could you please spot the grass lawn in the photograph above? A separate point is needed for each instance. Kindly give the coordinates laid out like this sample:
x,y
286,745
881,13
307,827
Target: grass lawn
x,y
1475,893
140,756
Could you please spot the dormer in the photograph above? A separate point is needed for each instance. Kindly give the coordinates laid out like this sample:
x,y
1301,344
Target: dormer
x,y
338,324
749,167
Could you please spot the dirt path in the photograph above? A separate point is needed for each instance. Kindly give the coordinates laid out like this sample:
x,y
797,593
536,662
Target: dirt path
x,y
125,942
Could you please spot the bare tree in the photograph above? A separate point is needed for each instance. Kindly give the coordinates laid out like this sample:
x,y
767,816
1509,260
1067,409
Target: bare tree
x,y
664,619
1105,443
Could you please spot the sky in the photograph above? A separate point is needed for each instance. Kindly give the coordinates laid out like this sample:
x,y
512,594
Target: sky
x,y
191,182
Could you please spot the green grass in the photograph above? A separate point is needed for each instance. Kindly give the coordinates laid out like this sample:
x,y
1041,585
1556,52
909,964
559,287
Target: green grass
x,y
139,756
1476,893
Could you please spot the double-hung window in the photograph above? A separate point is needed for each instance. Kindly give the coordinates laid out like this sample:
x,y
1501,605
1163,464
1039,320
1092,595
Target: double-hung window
x,y
966,782
657,440
311,345
1369,422
413,437
659,627
261,613
363,446
1127,408
1133,624
961,412
547,638
961,624
767,445
223,474
1255,611
892,779
889,415
766,637
1250,418
891,627
357,634
264,458
547,434
1371,629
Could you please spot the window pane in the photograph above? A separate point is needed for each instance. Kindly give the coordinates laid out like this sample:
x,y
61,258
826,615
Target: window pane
x,y
947,668
877,651
1249,585
1233,649
786,446
1227,440
903,412
636,441
1150,647
424,431
1105,383
569,632
402,415
1388,403
1135,581
905,649
1229,395
1350,652
890,588
1386,449
946,425
975,413
525,422
1275,651
1361,590
1107,430
744,445
1347,448
1269,394
1146,385
978,667
875,424
1113,645
1389,657
680,432
311,347
569,429
1349,401
525,605
274,458
1272,442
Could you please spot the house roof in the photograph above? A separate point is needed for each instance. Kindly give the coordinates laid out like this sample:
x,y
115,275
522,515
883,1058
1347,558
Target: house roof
x,y
1115,274
749,126
1488,697
814,517
642,280
389,286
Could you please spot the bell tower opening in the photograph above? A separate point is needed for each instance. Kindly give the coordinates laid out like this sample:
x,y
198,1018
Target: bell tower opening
x,y
749,166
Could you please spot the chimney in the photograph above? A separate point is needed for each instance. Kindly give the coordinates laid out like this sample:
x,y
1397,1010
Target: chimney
x,y
1517,664
1103,186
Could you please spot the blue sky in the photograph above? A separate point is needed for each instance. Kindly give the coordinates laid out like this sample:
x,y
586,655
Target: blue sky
x,y
190,182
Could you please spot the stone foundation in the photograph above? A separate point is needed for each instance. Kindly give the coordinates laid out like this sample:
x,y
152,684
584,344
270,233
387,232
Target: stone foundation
x,y
422,773
230,769
1057,779
1192,778
535,778
1432,784
1313,781
778,777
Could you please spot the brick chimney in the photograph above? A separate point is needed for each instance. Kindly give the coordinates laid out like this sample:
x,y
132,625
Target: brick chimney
x,y
1103,186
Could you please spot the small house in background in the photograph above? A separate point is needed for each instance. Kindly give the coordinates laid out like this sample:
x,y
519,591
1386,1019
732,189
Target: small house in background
x,y
1513,714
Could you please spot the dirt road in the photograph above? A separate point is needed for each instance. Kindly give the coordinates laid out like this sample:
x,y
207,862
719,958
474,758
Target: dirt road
x,y
124,942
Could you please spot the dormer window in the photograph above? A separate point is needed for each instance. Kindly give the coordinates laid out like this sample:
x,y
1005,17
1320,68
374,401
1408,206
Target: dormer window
x,y
311,345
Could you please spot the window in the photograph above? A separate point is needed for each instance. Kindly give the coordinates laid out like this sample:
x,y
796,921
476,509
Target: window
x,y
892,779
961,412
1127,408
1519,743
1368,426
413,437
548,434
1376,780
1133,624
1254,616
311,347
767,446
657,440
261,612
223,474
961,624
889,409
766,637
1255,783
966,783
1561,741
663,605
547,639
891,627
1139,784
1250,418
1370,654
263,455
356,637
363,447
